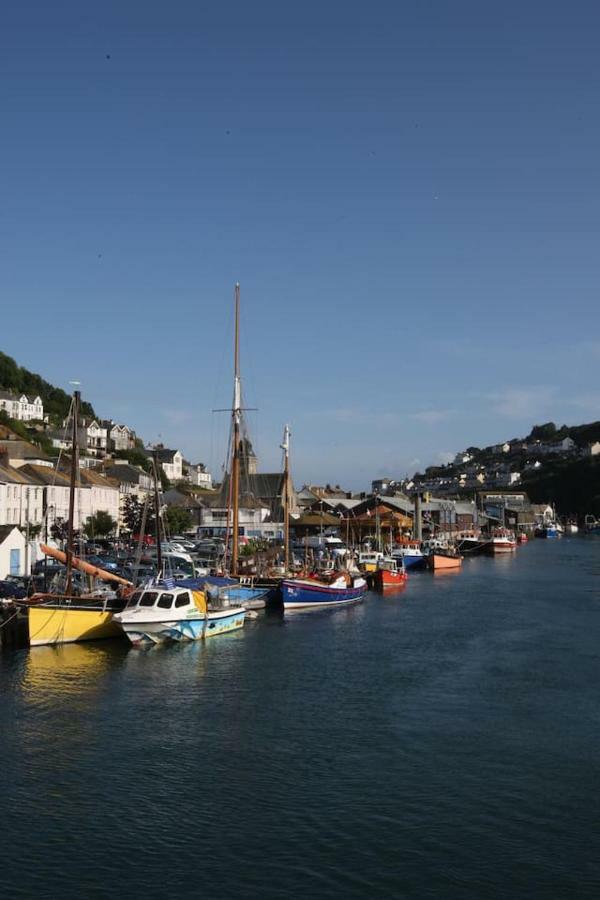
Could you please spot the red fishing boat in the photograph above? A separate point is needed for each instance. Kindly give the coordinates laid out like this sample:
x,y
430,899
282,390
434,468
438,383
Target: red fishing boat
x,y
390,573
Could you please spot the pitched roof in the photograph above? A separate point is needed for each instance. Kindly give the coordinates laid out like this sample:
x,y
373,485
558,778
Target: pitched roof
x,y
125,473
14,476
22,449
5,530
163,455
45,475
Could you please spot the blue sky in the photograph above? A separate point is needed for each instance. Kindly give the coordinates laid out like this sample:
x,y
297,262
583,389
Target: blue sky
x,y
407,192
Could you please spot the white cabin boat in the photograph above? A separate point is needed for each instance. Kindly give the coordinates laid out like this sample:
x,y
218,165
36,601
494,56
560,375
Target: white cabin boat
x,y
160,613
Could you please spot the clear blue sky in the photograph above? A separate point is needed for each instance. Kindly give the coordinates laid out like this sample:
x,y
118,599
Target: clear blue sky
x,y
408,193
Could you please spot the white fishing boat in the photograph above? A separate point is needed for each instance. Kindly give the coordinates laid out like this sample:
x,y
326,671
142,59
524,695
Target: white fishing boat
x,y
502,541
161,613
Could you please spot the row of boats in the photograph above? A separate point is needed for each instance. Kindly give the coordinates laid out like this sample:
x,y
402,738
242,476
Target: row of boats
x,y
165,609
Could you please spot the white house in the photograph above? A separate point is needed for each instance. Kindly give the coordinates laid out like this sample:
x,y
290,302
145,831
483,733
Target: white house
x,y
122,438
21,501
593,449
104,495
97,439
199,477
21,406
12,551
171,462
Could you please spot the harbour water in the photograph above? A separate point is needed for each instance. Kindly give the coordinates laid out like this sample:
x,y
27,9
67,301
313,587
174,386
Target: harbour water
x,y
442,742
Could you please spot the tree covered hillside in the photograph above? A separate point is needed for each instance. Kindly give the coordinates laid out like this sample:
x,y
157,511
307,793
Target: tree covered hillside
x,y
56,401
572,485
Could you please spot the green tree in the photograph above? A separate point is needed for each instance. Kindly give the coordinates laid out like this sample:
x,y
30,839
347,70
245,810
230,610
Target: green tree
x,y
133,515
99,525
543,432
20,380
137,457
177,519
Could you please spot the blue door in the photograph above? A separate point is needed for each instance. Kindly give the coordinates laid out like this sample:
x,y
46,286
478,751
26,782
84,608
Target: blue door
x,y
15,562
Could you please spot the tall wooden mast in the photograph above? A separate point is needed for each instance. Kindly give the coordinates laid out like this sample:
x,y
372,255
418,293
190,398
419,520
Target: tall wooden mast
x,y
236,414
286,497
155,464
72,480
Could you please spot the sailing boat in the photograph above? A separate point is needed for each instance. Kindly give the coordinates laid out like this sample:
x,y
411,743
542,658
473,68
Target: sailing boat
x,y
317,589
69,615
233,586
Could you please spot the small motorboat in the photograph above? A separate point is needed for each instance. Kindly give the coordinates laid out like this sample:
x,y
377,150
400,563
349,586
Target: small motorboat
x,y
390,574
161,613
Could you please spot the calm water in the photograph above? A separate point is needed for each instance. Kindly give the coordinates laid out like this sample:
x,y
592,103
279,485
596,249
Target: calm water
x,y
441,743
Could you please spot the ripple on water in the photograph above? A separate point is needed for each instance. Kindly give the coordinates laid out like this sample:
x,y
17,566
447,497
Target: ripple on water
x,y
442,743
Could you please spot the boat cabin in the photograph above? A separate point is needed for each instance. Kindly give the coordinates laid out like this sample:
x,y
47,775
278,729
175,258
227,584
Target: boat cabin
x,y
391,564
367,562
161,597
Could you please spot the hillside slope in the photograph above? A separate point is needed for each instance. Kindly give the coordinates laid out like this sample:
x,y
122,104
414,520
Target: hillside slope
x,y
56,401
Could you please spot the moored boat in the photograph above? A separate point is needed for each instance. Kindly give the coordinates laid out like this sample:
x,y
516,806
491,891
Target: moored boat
x,y
368,560
471,542
161,613
410,553
438,561
318,589
390,573
548,530
441,554
70,612
502,541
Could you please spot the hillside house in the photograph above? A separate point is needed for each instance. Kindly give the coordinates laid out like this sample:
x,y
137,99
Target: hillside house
x,y
22,407
171,462
199,476
121,437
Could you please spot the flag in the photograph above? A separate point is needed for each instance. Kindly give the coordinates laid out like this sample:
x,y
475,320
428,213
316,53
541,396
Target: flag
x,y
169,582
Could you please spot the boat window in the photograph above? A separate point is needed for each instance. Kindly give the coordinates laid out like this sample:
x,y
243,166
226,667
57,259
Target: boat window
x,y
166,601
134,599
182,600
149,598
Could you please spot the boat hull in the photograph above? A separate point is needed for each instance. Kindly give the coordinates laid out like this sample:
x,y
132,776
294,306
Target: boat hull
x,y
385,580
305,594
413,561
63,625
179,630
438,561
471,547
503,547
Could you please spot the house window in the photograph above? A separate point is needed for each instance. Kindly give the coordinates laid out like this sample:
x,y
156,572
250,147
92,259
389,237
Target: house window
x,y
15,562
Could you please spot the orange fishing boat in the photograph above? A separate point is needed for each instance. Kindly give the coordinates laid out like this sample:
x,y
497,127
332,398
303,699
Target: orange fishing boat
x,y
390,574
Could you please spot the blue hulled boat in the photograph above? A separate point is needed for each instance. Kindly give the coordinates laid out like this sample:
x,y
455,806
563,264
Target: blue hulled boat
x,y
411,554
317,590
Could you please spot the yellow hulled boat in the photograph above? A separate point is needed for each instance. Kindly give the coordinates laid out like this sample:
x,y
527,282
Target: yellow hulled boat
x,y
72,619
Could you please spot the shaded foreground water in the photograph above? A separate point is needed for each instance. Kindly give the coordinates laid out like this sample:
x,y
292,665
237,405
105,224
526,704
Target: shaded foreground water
x,y
443,742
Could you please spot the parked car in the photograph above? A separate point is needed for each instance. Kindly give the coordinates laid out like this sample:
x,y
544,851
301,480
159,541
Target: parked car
x,y
52,566
10,590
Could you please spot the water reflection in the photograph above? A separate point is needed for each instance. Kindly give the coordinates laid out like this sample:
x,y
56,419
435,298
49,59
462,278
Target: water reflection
x,y
73,669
